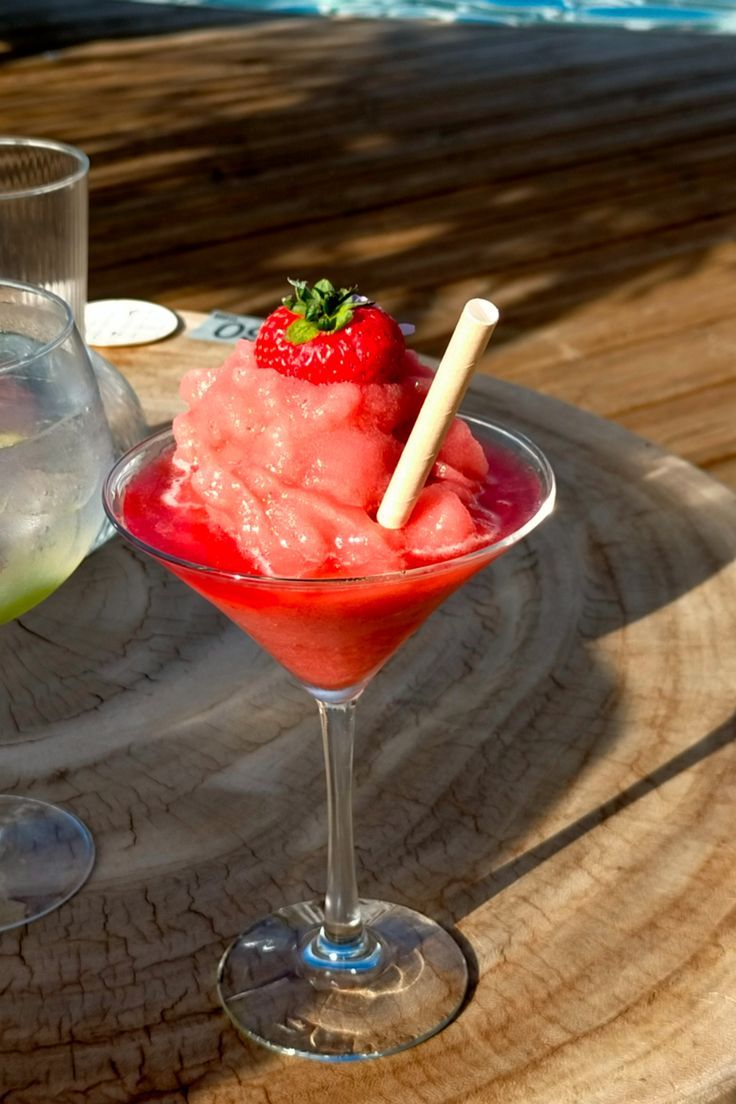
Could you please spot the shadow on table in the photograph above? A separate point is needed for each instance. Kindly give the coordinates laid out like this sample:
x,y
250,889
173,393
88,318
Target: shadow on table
x,y
511,871
32,27
417,163
444,177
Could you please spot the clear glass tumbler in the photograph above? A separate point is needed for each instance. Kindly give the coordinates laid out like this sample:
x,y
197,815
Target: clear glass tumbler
x,y
43,217
55,449
43,241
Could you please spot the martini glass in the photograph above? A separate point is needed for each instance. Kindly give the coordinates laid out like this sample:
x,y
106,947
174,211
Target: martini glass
x,y
55,447
343,978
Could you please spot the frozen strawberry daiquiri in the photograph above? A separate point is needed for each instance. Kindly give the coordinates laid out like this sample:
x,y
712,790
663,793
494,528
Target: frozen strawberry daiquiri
x,y
264,500
280,465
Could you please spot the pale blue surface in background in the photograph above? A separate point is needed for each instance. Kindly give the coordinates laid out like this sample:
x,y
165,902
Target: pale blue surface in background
x,y
709,16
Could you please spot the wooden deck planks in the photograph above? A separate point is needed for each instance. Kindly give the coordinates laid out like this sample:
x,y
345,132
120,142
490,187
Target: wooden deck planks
x,y
582,178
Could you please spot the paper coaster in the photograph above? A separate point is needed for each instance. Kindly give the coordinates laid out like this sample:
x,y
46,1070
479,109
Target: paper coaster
x,y
110,322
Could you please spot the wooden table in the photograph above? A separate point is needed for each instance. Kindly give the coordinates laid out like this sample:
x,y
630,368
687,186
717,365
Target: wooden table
x,y
550,766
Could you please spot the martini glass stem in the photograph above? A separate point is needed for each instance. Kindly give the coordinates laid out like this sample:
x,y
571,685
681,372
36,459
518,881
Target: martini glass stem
x,y
342,923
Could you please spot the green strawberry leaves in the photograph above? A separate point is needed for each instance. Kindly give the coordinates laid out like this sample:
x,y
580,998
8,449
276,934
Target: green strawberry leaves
x,y
321,309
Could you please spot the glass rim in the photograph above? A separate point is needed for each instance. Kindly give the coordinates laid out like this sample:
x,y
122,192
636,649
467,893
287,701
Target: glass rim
x,y
81,159
65,328
496,547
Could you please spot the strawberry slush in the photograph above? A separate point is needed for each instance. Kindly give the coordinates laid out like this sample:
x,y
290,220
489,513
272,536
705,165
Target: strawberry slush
x,y
276,476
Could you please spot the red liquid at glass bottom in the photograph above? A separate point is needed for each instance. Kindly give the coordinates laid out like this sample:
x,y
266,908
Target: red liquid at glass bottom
x,y
330,635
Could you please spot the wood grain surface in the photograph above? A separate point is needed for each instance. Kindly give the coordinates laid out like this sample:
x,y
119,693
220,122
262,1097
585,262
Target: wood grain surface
x,y
581,178
549,766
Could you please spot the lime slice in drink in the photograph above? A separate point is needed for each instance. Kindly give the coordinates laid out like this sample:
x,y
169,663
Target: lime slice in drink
x,y
20,603
8,439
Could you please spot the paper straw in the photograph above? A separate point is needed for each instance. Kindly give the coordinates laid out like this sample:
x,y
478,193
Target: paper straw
x,y
466,346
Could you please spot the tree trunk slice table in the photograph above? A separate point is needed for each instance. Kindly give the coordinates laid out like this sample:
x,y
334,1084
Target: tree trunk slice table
x,y
548,767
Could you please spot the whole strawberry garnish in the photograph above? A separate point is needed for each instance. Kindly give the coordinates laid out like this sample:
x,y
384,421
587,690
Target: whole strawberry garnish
x,y
329,335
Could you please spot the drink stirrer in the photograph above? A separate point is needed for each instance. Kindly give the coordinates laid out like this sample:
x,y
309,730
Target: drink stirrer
x,y
469,339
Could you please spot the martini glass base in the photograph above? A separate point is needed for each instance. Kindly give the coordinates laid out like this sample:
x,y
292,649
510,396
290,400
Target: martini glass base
x,y
46,855
278,988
